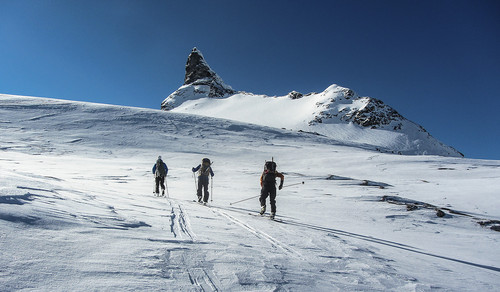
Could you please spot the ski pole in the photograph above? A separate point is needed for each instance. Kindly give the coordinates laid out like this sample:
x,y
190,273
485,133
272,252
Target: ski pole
x,y
195,185
244,200
300,183
166,186
212,189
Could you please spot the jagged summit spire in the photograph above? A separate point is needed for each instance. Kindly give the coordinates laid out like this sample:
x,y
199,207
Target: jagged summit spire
x,y
195,50
197,68
200,81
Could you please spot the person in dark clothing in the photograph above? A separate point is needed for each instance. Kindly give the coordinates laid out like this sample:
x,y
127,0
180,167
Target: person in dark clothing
x,y
268,185
160,171
204,170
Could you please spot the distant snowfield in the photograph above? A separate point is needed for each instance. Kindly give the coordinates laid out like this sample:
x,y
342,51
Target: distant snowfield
x,y
77,210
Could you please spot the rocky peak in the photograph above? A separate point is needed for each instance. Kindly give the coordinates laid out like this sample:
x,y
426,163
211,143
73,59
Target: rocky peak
x,y
199,73
197,68
345,105
200,81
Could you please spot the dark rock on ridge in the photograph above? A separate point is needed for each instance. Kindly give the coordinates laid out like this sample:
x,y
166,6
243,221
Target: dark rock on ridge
x,y
198,72
197,68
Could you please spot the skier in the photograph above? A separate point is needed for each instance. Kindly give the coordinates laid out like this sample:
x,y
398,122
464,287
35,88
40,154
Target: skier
x,y
204,169
268,184
160,171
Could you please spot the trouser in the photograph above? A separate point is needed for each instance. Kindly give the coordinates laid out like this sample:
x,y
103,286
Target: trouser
x,y
268,191
203,185
160,180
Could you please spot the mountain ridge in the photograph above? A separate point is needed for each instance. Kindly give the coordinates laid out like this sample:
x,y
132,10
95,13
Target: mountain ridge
x,y
331,113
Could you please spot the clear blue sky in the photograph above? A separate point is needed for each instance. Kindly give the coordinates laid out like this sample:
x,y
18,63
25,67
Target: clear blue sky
x,y
436,62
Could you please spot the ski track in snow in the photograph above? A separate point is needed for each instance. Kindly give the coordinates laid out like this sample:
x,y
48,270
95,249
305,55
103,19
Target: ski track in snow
x,y
260,234
180,225
76,212
186,262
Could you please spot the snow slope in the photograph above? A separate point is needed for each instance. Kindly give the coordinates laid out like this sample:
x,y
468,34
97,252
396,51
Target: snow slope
x,y
77,210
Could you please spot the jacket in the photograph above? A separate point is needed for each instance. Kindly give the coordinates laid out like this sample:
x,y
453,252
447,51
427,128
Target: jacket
x,y
276,174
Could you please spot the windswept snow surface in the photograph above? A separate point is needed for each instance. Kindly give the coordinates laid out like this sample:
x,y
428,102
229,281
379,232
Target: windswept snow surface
x,y
77,212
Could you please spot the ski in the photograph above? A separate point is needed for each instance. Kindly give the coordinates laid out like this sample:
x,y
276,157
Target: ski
x,y
266,216
201,203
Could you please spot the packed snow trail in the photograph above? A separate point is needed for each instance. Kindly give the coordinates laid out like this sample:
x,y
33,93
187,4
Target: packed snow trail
x,y
77,210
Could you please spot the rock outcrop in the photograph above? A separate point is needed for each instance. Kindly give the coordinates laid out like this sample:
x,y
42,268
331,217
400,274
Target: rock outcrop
x,y
200,81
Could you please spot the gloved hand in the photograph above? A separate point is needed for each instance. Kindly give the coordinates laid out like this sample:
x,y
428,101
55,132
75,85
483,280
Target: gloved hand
x,y
280,187
193,169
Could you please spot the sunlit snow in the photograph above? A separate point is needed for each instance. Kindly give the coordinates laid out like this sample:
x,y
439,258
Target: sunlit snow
x,y
77,211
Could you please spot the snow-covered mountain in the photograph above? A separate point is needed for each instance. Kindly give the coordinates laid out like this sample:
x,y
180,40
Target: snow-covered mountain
x,y
337,112
77,211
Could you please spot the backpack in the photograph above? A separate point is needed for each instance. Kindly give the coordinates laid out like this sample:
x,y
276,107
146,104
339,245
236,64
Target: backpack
x,y
270,166
160,168
205,167
269,175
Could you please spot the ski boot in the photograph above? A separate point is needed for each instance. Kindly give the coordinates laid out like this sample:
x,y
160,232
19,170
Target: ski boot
x,y
273,214
262,210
